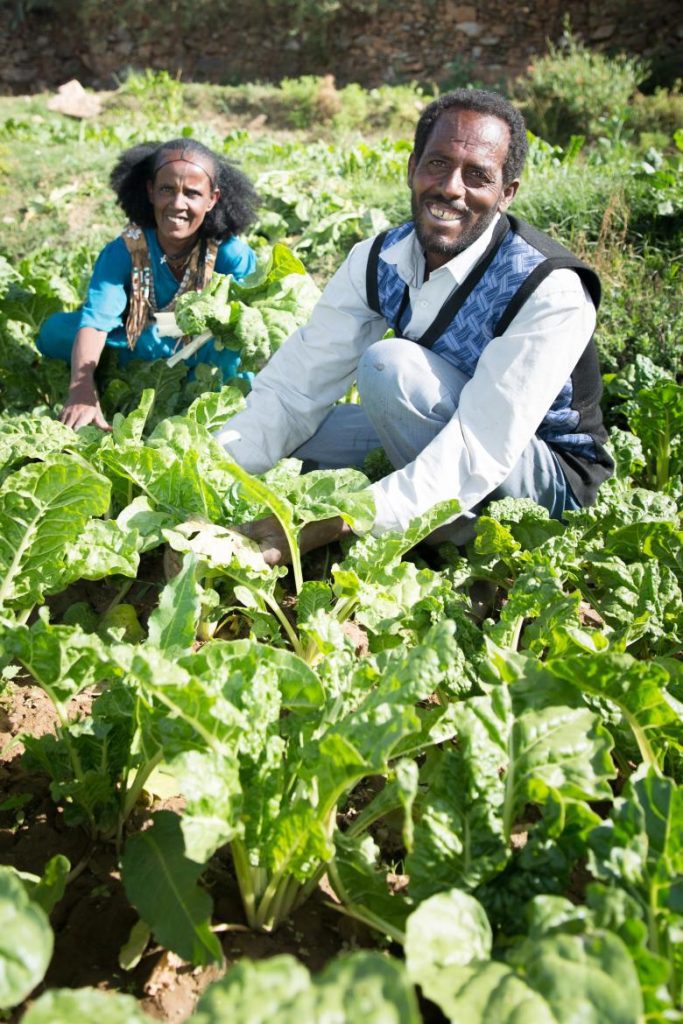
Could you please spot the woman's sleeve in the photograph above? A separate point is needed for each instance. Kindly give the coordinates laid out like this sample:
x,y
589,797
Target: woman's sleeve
x,y
235,257
107,296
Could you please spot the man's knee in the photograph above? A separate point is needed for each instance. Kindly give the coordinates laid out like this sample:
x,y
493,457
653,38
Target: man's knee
x,y
377,370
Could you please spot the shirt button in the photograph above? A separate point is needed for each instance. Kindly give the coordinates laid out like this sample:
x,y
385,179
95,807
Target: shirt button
x,y
423,302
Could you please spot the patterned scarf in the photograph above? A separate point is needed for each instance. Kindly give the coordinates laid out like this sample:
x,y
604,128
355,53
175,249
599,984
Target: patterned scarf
x,y
142,303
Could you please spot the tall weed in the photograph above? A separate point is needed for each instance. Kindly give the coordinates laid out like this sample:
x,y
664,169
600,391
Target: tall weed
x,y
572,90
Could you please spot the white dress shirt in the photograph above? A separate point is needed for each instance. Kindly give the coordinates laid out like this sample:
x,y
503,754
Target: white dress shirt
x,y
517,378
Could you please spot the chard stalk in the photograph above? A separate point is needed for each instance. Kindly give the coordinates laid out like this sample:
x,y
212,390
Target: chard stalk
x,y
133,792
245,880
284,622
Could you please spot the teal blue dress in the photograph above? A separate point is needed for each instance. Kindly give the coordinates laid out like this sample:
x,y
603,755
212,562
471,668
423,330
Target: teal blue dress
x,y
105,306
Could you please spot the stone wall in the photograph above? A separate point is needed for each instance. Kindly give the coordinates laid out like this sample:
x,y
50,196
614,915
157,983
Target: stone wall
x,y
384,41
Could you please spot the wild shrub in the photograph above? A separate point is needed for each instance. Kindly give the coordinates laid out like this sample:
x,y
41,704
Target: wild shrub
x,y
572,90
659,113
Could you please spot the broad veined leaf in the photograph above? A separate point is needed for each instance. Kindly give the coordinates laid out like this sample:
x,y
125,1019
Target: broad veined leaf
x,y
83,1006
535,605
323,494
173,624
369,556
174,483
459,831
102,549
214,409
63,660
219,546
300,688
520,744
641,848
131,427
638,688
362,886
43,508
642,599
161,883
550,980
26,940
28,437
140,518
180,712
210,783
362,986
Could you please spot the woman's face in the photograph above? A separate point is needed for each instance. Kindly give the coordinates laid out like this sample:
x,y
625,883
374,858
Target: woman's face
x,y
182,194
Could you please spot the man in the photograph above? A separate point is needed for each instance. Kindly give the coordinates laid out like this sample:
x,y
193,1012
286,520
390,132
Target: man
x,y
490,387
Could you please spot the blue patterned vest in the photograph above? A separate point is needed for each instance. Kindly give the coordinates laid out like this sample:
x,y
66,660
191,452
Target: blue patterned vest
x,y
518,258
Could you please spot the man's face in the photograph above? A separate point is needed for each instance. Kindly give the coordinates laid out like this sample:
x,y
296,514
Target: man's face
x,y
457,184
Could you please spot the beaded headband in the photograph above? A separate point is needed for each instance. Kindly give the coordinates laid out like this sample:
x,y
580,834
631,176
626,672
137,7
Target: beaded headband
x,y
174,159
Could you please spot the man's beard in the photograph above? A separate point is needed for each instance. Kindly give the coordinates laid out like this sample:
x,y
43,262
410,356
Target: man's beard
x,y
440,246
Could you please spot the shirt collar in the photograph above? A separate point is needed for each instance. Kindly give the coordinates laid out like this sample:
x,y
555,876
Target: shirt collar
x,y
409,260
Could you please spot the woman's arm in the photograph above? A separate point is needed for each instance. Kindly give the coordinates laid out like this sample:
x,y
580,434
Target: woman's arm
x,y
82,404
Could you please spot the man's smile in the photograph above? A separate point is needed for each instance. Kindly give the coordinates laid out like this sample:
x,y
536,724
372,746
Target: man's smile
x,y
444,211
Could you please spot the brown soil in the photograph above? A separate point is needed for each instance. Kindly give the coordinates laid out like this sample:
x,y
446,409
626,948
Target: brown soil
x,y
94,918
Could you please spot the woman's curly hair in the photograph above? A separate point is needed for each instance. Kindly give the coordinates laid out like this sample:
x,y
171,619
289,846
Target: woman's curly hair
x,y
232,214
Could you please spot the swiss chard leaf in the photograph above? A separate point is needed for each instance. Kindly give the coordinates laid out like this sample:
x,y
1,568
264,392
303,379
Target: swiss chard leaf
x,y
161,883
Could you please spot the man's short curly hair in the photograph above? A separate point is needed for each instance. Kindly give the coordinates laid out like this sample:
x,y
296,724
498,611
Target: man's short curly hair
x,y
232,214
482,102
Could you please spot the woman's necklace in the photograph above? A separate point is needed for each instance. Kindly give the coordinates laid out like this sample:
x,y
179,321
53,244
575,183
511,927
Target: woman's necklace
x,y
179,261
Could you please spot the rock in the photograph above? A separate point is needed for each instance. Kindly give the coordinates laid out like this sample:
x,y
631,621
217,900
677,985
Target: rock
x,y
603,32
72,99
470,28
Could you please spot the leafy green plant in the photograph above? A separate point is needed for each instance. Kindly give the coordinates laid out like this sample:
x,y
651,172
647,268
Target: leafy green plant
x,y
573,90
253,316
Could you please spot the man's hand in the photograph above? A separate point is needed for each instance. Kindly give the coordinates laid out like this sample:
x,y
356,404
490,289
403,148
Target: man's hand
x,y
270,537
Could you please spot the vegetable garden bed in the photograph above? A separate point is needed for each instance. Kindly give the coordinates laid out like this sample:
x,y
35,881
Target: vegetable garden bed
x,y
432,809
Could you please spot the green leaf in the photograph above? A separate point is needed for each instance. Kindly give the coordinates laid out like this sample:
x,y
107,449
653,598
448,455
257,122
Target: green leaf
x,y
210,783
26,940
369,556
363,986
161,883
638,688
362,886
450,928
102,549
142,520
50,889
641,850
43,509
27,437
552,979
131,427
63,660
173,624
300,687
83,1006
214,409
254,992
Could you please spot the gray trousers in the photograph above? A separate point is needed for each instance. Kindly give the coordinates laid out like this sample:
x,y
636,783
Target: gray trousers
x,y
408,394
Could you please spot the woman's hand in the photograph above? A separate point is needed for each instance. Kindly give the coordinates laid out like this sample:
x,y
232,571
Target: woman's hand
x,y
270,537
82,404
82,408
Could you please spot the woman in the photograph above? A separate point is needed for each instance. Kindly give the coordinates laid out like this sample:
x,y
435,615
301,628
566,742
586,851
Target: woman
x,y
186,207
